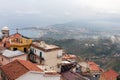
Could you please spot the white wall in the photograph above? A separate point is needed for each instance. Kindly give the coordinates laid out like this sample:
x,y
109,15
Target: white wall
x,y
37,76
37,52
22,57
4,60
50,57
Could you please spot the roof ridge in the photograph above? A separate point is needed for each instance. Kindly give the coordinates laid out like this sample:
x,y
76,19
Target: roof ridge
x,y
15,34
13,76
29,69
18,60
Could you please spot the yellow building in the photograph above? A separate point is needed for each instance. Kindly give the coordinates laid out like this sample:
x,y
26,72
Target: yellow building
x,y
17,42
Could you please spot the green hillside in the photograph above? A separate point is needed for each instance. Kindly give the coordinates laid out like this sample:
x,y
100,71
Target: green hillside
x,y
101,51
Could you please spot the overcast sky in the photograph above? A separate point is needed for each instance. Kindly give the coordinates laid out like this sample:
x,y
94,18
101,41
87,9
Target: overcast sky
x,y
46,12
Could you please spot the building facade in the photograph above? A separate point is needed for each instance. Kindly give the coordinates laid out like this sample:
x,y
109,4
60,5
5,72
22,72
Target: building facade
x,y
5,32
17,42
43,53
7,56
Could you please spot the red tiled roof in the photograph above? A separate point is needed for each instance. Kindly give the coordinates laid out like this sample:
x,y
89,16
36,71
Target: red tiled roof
x,y
69,75
17,68
93,66
30,66
17,35
14,36
110,75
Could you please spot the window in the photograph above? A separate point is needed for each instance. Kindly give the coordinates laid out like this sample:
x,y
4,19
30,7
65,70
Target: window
x,y
14,49
31,50
25,49
17,40
58,66
40,54
2,59
4,44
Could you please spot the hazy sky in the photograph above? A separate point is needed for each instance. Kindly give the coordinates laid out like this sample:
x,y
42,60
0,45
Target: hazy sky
x,y
39,12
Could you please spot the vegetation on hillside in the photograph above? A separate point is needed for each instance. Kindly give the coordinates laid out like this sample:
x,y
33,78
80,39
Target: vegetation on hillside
x,y
101,51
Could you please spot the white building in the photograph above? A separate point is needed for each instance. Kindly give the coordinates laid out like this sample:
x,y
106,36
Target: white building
x,y
46,54
5,31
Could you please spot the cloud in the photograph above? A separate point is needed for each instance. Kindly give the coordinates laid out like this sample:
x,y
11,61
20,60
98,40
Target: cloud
x,y
60,10
106,6
27,12
67,13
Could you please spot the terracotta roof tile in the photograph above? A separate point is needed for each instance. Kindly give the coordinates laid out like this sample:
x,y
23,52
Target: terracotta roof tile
x,y
72,76
18,35
17,68
30,66
93,66
110,75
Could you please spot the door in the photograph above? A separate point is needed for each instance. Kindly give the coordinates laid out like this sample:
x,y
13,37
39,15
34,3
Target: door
x,y
25,50
14,49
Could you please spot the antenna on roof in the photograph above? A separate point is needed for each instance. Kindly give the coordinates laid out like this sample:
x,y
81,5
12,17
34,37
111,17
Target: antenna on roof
x,y
17,30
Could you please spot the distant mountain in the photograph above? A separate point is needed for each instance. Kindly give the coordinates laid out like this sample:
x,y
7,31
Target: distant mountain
x,y
78,29
74,29
89,25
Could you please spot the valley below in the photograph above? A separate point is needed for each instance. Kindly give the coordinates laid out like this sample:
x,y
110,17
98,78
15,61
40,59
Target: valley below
x,y
102,51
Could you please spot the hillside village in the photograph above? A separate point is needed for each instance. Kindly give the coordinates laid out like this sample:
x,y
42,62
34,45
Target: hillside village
x,y
22,58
